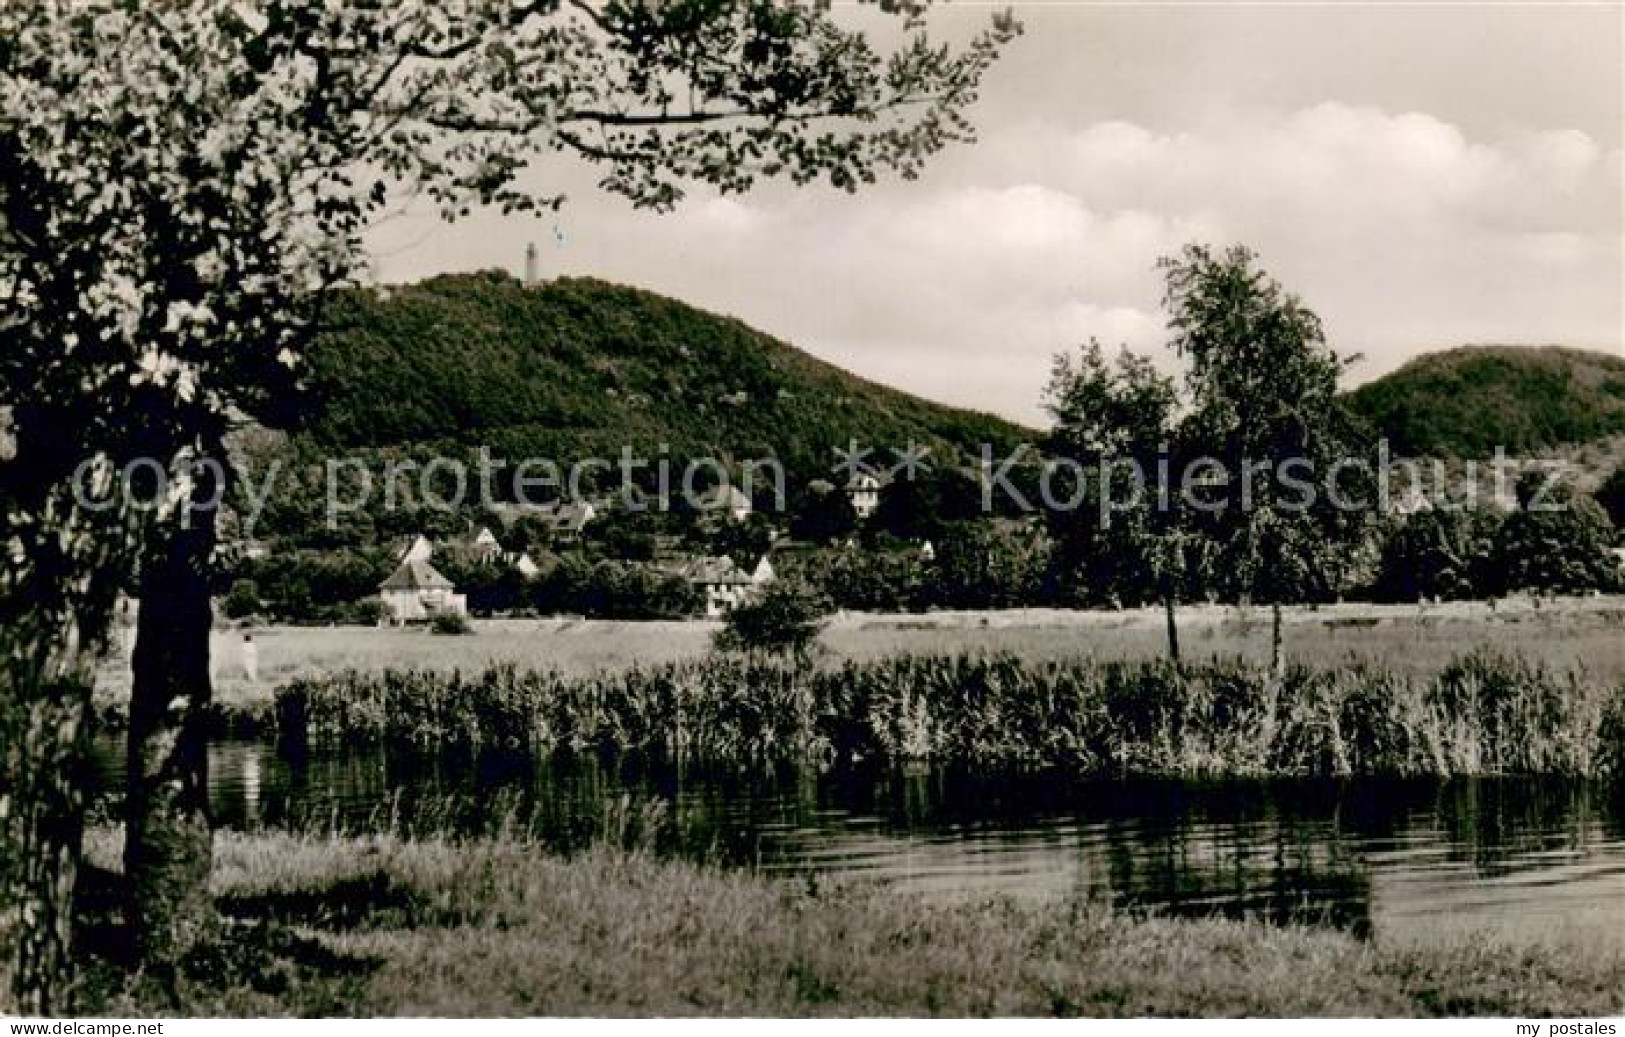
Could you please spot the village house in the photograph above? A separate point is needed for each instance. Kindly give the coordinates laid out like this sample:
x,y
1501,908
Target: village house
x,y
763,573
566,519
723,583
416,591
864,493
483,548
524,563
480,547
725,501
417,548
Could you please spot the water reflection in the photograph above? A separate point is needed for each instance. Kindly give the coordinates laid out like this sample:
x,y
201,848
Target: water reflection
x,y
1403,859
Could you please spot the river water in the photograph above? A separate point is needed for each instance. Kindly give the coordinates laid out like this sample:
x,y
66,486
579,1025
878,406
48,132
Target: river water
x,y
1407,861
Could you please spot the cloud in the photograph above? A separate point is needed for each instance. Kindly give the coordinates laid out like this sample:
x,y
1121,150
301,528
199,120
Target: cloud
x,y
1405,232
1341,165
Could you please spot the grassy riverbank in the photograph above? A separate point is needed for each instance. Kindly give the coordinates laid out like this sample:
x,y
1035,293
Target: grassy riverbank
x,y
1483,714
384,926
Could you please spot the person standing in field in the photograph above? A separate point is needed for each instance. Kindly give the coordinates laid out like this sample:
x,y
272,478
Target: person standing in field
x,y
251,659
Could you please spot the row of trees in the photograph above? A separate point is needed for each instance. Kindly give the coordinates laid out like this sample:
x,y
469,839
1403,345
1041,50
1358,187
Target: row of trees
x,y
1257,405
1445,554
973,564
1258,394
1559,547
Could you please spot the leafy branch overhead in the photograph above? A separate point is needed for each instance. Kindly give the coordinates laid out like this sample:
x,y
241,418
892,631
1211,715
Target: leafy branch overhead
x,y
723,93
196,190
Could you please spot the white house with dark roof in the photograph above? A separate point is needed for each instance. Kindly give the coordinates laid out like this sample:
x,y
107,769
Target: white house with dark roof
x,y
524,563
723,583
864,493
480,547
417,591
484,543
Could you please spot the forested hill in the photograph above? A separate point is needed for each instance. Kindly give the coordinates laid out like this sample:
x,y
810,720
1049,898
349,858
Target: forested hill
x,y
578,368
1465,402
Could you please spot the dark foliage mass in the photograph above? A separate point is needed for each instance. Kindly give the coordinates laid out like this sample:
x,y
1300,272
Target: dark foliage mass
x,y
1459,554
579,368
1558,549
1611,496
1442,554
782,619
1465,402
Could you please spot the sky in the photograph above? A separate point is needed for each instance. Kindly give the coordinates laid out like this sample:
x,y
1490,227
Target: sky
x,y
1422,175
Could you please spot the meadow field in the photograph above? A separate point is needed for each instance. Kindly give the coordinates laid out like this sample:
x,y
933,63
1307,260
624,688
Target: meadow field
x,y
1586,635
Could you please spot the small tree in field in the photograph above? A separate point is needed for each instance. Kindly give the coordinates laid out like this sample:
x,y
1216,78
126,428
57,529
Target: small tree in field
x,y
242,601
1116,421
183,185
783,618
1262,384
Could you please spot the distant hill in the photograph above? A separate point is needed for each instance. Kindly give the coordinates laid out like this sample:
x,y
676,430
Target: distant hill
x,y
1465,402
577,368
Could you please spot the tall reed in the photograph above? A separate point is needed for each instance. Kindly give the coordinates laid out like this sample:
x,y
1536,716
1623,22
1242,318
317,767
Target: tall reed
x,y
1482,714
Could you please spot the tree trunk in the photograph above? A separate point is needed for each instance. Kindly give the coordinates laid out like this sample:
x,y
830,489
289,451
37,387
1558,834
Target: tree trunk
x,y
58,583
42,765
1277,656
168,842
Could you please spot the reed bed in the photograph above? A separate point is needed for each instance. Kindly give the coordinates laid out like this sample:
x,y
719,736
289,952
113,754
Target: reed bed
x,y
1482,714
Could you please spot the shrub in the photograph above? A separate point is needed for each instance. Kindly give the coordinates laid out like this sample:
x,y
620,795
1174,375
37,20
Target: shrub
x,y
242,601
368,612
449,623
785,617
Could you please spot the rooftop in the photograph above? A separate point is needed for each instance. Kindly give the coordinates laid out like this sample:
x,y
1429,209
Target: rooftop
x,y
415,575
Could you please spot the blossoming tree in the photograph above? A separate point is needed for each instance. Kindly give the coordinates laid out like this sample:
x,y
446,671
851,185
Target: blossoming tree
x,y
183,184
